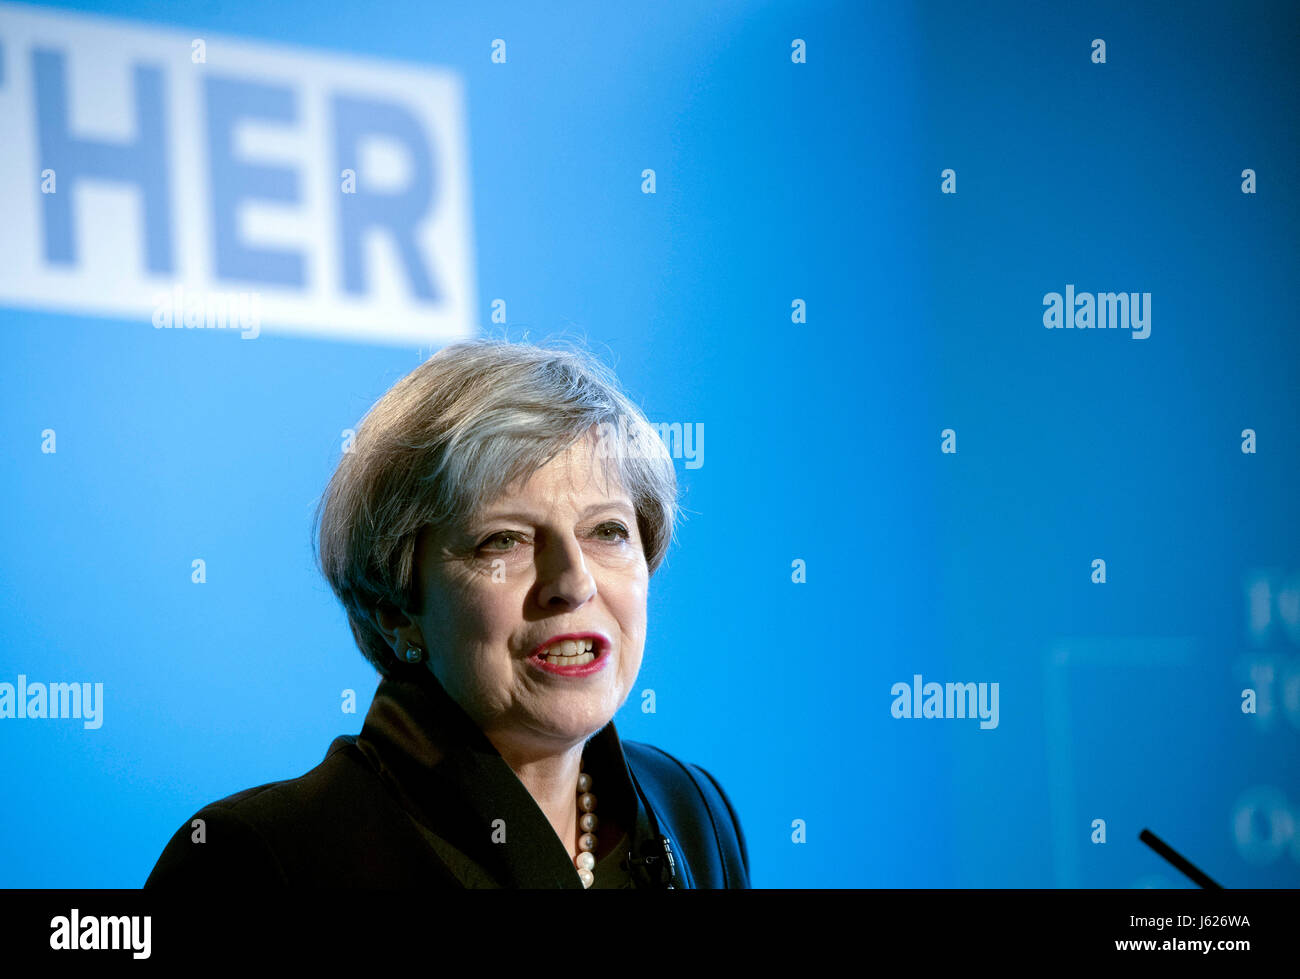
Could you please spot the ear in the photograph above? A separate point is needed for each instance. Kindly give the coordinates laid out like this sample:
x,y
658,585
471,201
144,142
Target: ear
x,y
398,628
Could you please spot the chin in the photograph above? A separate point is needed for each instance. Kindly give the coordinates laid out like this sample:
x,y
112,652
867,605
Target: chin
x,y
577,723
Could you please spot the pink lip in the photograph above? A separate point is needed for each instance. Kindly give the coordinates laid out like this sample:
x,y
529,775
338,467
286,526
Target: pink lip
x,y
600,646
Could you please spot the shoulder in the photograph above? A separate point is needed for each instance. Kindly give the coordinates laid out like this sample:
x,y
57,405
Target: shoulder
x,y
698,811
657,762
275,833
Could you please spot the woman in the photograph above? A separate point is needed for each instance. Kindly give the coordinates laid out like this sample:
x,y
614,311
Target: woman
x,y
491,534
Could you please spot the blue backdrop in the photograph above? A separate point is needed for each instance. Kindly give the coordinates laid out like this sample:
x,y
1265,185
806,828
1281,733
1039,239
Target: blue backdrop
x,y
859,334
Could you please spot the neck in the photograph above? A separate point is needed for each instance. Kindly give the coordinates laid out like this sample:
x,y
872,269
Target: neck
x,y
552,780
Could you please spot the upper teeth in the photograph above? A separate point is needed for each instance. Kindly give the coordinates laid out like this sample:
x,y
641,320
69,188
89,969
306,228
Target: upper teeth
x,y
570,647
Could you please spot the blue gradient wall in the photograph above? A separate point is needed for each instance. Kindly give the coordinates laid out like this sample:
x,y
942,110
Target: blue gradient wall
x,y
776,181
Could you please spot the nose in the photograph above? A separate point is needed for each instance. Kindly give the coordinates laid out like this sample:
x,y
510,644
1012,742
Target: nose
x,y
565,581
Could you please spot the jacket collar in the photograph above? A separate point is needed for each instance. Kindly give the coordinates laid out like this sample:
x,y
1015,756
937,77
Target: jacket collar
x,y
452,779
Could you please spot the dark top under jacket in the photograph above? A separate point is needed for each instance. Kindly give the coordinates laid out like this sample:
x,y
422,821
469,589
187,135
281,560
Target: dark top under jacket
x,y
415,800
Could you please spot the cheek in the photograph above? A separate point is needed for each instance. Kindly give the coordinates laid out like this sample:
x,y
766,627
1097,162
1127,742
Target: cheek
x,y
629,604
472,615
494,624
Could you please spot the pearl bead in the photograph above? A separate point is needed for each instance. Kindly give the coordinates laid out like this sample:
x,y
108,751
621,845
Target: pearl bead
x,y
585,861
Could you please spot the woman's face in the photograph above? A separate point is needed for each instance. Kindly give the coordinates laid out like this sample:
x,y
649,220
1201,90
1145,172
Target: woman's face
x,y
558,556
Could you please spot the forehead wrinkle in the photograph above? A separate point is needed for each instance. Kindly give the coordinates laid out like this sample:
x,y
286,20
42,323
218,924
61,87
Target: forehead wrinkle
x,y
574,470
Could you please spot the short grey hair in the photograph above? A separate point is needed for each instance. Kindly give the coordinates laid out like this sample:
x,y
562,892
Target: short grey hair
x,y
451,436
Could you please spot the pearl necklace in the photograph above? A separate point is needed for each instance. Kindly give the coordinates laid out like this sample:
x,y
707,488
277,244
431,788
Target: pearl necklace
x,y
585,861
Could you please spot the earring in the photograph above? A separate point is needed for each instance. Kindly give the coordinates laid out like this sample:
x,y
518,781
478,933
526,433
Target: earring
x,y
413,654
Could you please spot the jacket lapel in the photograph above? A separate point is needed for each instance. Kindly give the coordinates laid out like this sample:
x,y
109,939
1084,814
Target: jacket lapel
x,y
456,783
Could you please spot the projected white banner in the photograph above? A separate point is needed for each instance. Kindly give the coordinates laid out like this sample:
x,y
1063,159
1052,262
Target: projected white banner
x,y
183,177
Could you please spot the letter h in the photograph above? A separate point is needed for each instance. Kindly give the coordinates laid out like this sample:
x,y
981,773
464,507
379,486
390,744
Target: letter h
x,y
142,163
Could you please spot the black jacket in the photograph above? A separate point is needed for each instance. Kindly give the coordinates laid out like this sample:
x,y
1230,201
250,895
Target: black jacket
x,y
413,801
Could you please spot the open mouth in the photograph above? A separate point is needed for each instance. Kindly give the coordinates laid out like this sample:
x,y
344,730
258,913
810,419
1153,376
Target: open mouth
x,y
570,651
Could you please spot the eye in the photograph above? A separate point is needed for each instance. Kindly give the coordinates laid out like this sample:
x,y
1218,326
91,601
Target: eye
x,y
505,540
612,531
